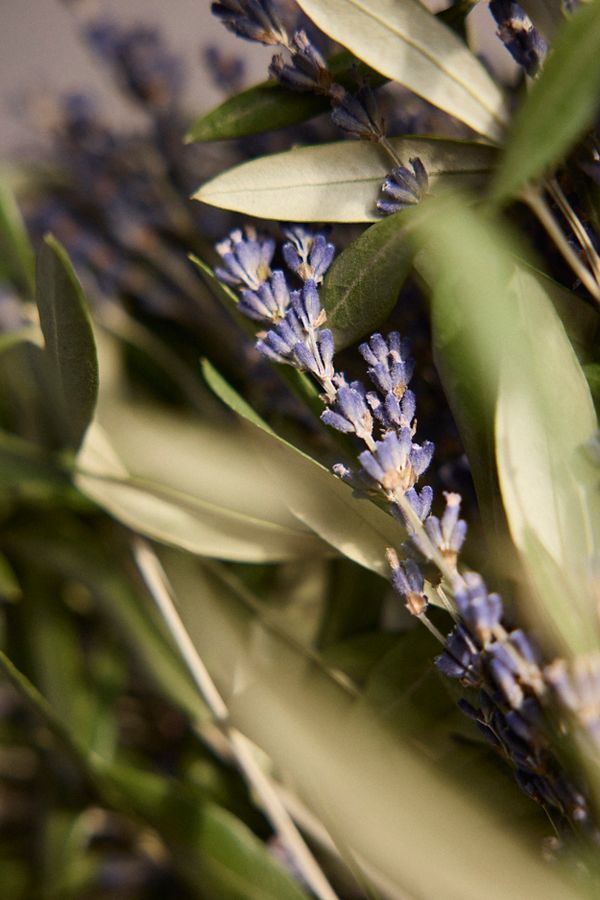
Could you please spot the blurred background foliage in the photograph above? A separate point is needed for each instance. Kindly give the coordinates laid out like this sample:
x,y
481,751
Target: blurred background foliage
x,y
125,772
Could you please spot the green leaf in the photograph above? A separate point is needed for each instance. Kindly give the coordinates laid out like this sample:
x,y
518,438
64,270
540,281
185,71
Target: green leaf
x,y
506,362
356,528
219,855
544,418
362,286
209,495
405,42
15,247
388,798
562,103
70,347
592,373
268,106
339,182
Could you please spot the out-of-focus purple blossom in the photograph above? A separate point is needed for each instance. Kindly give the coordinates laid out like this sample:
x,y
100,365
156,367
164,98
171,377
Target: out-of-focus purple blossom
x,y
226,71
518,34
358,115
254,20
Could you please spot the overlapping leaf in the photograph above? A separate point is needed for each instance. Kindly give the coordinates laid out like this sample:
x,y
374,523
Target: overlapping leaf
x,y
500,345
339,182
362,286
405,42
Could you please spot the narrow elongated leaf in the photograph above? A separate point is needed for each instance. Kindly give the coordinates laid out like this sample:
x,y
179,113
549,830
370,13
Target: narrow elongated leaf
x,y
183,518
544,418
357,529
15,248
339,182
383,797
362,286
560,106
499,343
70,347
405,42
268,106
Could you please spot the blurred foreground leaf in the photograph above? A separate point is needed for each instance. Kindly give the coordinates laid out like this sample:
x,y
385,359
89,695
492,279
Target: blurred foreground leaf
x,y
562,103
357,529
16,254
70,348
386,800
500,345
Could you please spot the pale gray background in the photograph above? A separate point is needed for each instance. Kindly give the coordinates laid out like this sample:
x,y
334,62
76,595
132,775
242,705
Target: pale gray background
x,y
40,51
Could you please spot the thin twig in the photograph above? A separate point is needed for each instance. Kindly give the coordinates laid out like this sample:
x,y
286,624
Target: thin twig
x,y
158,586
556,192
539,206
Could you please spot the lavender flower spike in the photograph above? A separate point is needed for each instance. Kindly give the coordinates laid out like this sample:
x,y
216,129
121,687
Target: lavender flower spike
x,y
408,581
247,257
307,70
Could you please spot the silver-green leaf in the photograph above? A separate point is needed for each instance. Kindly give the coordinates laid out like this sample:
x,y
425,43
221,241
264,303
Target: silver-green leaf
x,y
405,42
340,182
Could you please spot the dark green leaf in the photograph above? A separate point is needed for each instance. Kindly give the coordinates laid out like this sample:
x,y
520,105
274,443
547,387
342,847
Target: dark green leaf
x,y
268,106
362,286
562,103
70,346
592,373
15,248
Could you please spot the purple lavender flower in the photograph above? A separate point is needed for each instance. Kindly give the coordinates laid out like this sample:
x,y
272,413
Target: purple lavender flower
x,y
307,254
461,657
403,187
408,581
247,257
480,611
269,302
518,34
357,115
448,535
396,463
254,20
306,70
349,413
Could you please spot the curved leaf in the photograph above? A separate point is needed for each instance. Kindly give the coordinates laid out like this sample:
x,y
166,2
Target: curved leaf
x,y
560,106
381,796
339,182
362,286
356,528
506,360
188,513
268,106
15,248
69,340
405,42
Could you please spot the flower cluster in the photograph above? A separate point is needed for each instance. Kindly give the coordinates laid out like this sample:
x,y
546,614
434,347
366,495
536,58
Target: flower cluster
x,y
498,665
297,335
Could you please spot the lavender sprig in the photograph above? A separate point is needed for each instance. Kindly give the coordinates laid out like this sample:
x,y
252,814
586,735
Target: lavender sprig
x,y
481,652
